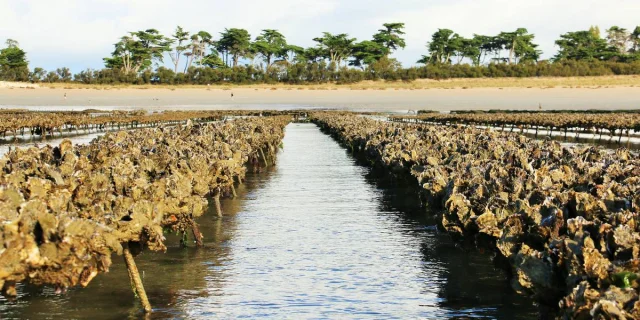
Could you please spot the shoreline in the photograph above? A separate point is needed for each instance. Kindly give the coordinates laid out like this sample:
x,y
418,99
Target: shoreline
x,y
334,98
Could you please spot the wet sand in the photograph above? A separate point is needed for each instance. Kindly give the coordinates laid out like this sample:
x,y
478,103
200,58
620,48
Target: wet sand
x,y
375,100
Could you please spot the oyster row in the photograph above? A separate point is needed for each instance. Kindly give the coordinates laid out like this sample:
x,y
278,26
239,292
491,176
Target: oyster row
x,y
64,210
565,219
17,122
612,122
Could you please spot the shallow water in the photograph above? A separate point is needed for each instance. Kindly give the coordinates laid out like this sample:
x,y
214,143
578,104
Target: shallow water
x,y
317,236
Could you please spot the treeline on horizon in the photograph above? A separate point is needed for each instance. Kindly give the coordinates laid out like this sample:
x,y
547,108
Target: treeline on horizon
x,y
198,58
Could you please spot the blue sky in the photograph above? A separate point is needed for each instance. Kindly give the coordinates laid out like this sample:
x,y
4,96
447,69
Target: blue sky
x,y
79,33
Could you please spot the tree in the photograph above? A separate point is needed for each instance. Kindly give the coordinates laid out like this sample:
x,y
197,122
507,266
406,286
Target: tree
x,y
618,37
198,48
213,60
37,75
138,50
86,76
582,45
443,45
495,46
13,62
366,53
12,56
64,74
470,48
486,45
234,42
52,77
336,47
178,38
271,44
390,37
519,43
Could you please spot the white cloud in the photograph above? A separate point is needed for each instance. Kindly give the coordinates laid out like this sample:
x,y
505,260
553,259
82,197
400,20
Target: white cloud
x,y
78,33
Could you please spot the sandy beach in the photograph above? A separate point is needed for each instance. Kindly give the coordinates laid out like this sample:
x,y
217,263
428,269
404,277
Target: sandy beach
x,y
339,98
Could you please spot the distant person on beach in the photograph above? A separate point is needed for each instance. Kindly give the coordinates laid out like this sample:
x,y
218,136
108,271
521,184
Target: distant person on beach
x,y
65,96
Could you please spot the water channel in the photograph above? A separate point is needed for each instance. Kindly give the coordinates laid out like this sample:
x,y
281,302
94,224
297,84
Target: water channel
x,y
316,236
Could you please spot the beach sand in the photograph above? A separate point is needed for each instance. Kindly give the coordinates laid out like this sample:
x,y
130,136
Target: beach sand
x,y
338,98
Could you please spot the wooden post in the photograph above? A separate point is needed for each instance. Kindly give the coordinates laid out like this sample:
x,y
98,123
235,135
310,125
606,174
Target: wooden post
x,y
266,162
216,200
196,233
628,137
233,191
620,136
136,282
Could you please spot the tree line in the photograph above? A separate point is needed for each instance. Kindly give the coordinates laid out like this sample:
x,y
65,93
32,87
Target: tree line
x,y
233,56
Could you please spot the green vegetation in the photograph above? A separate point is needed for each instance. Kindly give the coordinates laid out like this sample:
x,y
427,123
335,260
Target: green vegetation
x,y
446,45
13,62
200,58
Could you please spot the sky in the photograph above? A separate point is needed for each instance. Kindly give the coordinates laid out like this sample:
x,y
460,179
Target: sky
x,y
79,33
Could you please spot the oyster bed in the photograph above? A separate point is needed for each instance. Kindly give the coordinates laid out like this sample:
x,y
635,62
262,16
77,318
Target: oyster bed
x,y
65,210
18,122
563,219
597,123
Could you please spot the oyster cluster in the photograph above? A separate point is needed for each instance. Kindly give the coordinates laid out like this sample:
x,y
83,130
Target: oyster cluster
x,y
563,219
65,210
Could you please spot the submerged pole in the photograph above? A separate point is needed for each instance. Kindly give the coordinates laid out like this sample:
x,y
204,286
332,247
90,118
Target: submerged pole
x,y
136,282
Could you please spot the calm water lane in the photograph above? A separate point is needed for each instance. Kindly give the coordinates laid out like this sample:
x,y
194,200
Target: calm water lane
x,y
318,236
322,239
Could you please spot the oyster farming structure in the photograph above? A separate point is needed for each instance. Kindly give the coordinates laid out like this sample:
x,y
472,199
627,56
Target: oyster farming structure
x,y
67,209
561,220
